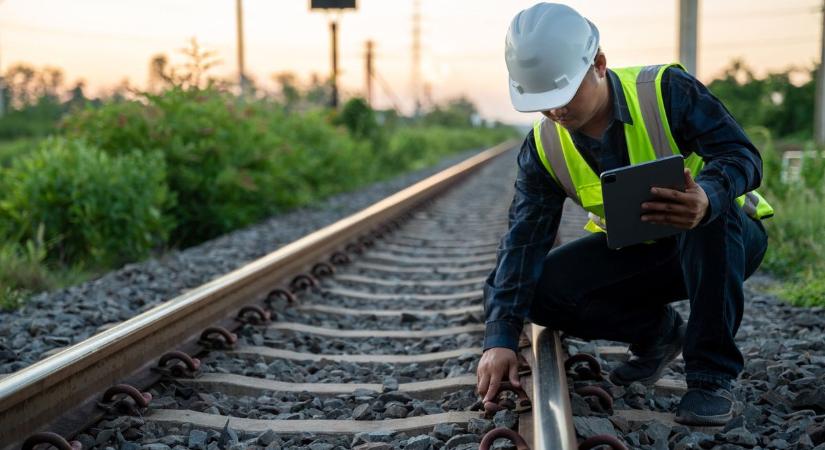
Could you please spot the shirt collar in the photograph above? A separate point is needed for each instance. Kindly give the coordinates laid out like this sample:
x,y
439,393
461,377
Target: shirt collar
x,y
620,111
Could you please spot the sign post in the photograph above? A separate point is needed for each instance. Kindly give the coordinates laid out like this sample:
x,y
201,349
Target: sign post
x,y
335,6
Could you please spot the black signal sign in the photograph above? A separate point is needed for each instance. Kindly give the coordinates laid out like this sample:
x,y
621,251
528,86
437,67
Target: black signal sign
x,y
332,4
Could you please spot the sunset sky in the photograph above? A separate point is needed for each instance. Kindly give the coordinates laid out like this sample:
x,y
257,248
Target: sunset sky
x,y
105,41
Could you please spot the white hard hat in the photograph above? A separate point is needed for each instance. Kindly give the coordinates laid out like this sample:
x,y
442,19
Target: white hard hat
x,y
548,50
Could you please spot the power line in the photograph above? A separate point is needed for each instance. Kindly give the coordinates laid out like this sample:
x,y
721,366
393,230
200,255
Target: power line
x,y
784,12
81,34
387,91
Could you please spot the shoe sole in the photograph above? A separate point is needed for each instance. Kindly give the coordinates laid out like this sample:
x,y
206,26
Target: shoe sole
x,y
652,379
691,419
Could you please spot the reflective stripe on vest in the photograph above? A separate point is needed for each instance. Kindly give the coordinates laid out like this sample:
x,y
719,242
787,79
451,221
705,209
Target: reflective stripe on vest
x,y
648,137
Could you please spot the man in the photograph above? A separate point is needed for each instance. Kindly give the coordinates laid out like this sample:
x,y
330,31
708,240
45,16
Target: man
x,y
596,119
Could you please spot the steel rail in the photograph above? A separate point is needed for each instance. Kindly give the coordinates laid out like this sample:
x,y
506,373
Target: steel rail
x,y
552,414
34,398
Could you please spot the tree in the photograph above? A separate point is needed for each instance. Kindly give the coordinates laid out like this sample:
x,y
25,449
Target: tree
x,y
774,101
458,112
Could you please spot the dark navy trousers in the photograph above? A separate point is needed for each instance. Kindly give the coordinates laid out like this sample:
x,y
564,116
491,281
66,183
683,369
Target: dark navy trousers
x,y
593,292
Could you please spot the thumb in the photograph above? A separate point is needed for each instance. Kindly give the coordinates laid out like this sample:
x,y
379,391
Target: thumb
x,y
689,183
514,378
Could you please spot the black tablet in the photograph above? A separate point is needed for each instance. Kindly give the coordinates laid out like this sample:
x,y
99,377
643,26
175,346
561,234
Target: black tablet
x,y
626,188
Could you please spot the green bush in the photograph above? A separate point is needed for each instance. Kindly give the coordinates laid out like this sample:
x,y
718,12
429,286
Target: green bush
x,y
188,164
230,163
796,234
418,147
359,119
92,207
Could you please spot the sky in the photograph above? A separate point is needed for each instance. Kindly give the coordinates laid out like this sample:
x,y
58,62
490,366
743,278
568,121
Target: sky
x,y
104,41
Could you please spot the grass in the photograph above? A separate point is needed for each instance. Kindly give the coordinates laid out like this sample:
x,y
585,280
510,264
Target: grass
x,y
13,148
796,235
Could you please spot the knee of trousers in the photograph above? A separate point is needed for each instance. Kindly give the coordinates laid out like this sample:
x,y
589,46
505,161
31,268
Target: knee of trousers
x,y
554,290
551,310
726,225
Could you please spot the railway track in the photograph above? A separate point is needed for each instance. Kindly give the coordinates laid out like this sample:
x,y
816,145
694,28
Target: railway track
x,y
365,335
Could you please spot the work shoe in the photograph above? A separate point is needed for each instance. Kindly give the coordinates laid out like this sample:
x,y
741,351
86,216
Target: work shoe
x,y
647,363
705,405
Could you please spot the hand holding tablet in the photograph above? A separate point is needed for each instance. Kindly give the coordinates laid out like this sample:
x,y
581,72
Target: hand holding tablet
x,y
679,209
651,200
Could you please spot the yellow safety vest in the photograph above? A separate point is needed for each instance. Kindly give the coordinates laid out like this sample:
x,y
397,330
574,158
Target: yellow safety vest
x,y
648,138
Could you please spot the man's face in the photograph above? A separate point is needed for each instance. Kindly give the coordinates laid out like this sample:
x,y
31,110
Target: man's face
x,y
581,108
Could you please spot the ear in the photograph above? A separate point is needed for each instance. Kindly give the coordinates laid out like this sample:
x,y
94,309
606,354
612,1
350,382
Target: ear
x,y
600,63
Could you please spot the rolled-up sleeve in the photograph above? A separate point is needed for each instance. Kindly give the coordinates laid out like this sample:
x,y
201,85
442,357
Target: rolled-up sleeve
x,y
700,123
534,217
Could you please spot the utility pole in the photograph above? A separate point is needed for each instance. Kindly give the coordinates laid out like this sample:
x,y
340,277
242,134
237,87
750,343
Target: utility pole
x,y
333,28
2,93
2,90
415,76
370,56
241,74
334,5
688,34
819,109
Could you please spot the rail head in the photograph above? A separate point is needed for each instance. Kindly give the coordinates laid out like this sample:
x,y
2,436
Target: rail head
x,y
552,414
35,396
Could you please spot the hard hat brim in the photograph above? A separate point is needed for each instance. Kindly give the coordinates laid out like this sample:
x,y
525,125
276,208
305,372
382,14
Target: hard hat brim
x,y
542,101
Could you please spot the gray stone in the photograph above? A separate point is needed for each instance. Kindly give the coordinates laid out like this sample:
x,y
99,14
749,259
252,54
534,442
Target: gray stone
x,y
373,446
374,436
635,389
321,446
505,418
395,410
155,446
740,436
692,441
362,412
390,384
479,426
592,426
778,444
462,439
104,436
657,431
421,442
197,440
267,438
445,431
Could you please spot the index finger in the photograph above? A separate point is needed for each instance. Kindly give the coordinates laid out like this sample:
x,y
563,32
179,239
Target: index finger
x,y
483,382
670,194
495,383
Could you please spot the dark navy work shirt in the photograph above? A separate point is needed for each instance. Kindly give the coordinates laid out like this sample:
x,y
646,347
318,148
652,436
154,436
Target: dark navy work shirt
x,y
699,123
